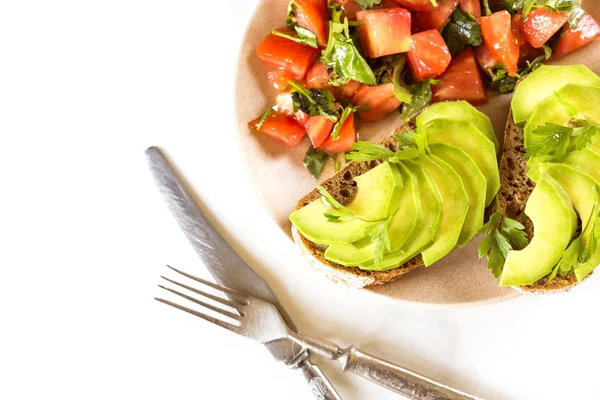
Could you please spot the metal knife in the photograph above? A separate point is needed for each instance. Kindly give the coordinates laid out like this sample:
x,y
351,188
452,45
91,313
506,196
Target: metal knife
x,y
228,268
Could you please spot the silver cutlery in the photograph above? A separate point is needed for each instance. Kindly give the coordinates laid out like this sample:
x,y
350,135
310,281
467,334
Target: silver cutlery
x,y
261,321
229,269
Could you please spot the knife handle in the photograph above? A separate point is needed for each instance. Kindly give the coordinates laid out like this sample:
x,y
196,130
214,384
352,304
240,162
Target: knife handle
x,y
318,383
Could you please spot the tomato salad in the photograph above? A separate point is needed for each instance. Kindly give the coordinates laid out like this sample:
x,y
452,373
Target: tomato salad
x,y
335,61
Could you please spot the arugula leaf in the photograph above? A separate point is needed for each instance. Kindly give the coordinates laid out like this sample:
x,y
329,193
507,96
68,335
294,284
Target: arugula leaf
x,y
575,16
486,7
378,235
503,235
421,97
314,161
264,118
303,36
341,52
335,132
335,211
314,101
367,151
551,5
393,69
555,141
460,32
367,4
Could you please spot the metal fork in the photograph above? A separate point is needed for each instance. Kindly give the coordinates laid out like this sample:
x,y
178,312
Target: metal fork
x,y
261,321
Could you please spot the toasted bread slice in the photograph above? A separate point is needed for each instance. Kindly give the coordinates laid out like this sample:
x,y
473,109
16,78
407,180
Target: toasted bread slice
x,y
343,188
515,188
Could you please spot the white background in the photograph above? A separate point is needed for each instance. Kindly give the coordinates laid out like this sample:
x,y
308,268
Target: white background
x,y
85,87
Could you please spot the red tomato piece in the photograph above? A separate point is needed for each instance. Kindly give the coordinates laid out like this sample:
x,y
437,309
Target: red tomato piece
x,y
318,129
347,137
461,81
282,53
388,4
380,99
437,18
347,90
417,5
484,58
282,128
541,24
317,75
429,56
313,15
350,8
518,29
571,39
385,31
496,30
279,78
472,7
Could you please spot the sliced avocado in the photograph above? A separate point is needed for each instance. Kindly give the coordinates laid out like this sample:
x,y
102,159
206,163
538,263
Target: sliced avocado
x,y
455,206
466,137
399,230
426,228
459,111
585,99
587,160
543,82
311,222
378,191
554,223
475,185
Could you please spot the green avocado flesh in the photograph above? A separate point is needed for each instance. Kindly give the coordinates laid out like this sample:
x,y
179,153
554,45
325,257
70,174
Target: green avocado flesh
x,y
466,137
587,160
555,222
585,99
543,82
378,191
475,185
455,206
459,111
399,230
426,228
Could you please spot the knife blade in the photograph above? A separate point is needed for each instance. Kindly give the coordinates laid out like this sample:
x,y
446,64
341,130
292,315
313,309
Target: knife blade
x,y
228,268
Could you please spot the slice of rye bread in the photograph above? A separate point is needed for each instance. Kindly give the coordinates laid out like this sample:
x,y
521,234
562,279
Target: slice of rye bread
x,y
343,188
515,188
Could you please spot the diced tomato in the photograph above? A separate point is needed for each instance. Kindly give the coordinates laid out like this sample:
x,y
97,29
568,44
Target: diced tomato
x,y
385,31
461,81
380,99
496,30
317,75
283,128
417,5
429,56
282,53
389,4
437,18
347,137
518,30
318,128
571,39
485,59
541,24
471,7
313,15
350,8
347,90
279,78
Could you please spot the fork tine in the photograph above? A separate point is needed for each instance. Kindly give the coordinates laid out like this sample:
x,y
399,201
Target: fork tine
x,y
244,297
208,318
203,304
208,295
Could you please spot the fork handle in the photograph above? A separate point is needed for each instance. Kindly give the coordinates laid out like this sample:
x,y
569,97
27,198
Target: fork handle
x,y
396,378
318,383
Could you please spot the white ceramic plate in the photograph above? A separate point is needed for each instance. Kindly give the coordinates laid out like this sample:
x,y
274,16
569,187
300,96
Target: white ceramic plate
x,y
280,179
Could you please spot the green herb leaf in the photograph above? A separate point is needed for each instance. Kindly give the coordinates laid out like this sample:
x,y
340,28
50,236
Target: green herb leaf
x,y
592,243
570,257
335,132
583,135
568,108
409,153
486,7
554,141
264,118
367,4
460,32
314,161
303,36
290,21
336,164
575,16
367,151
335,211
314,101
378,235
401,89
503,234
421,97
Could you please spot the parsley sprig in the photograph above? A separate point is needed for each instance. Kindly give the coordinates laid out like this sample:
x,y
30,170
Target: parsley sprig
x,y
412,145
503,235
336,212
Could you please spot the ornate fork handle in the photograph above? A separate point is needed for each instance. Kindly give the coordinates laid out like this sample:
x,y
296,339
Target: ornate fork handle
x,y
317,382
384,373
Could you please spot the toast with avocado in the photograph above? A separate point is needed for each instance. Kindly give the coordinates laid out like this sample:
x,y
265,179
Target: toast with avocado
x,y
404,203
550,180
